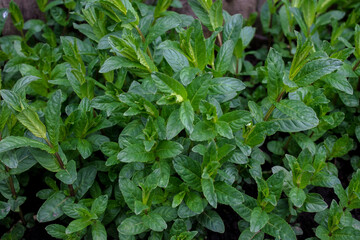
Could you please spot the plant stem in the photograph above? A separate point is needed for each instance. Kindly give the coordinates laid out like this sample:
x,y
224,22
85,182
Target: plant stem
x,y
62,166
272,108
13,191
219,39
356,65
143,40
287,143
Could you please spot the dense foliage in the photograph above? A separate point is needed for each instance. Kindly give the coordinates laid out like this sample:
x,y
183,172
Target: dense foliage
x,y
136,126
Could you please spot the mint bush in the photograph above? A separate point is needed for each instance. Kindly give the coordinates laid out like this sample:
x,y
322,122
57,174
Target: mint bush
x,y
140,127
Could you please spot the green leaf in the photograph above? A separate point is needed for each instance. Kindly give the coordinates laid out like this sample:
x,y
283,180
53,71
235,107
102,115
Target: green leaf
x,y
85,179
223,59
154,221
130,192
212,221
13,142
338,82
301,55
132,226
46,160
56,231
194,202
208,189
178,198
77,225
53,118
84,147
198,89
135,153
342,146
30,119
297,196
189,170
187,115
223,129
161,7
173,128
4,209
346,233
168,149
298,116
16,16
200,12
161,26
203,131
227,194
308,8
314,203
349,100
258,219
12,99
357,133
169,85
52,207
117,62
314,70
176,59
98,231
275,67
247,234
258,132
164,173
67,175
278,227
215,14
237,119
232,28
99,205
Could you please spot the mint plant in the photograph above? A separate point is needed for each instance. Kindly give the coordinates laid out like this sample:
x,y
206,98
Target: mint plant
x,y
134,123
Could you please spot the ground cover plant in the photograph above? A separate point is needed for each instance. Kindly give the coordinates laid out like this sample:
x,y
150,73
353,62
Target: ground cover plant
x,y
124,120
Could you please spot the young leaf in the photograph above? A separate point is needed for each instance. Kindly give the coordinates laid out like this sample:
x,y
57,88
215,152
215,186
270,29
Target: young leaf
x,y
30,119
215,14
16,16
309,10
